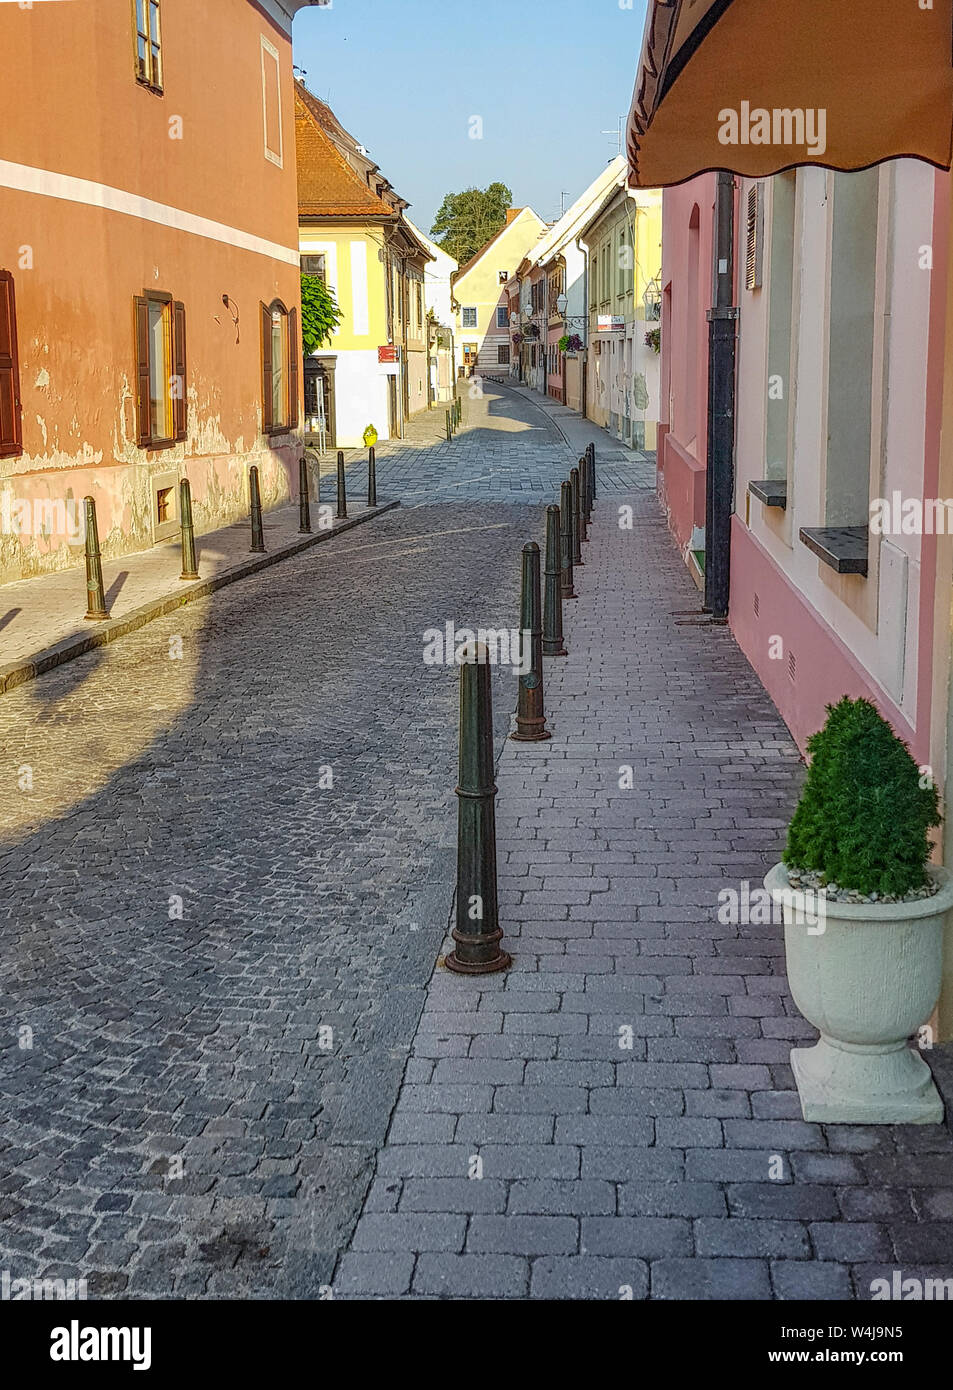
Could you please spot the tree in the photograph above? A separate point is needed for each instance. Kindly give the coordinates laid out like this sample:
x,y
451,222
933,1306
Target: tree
x,y
320,314
466,221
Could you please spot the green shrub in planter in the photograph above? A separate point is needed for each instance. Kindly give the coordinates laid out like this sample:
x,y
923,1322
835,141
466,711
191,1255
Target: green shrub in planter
x,y
863,816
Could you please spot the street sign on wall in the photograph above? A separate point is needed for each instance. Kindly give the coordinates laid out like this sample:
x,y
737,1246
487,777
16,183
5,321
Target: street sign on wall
x,y
610,323
390,352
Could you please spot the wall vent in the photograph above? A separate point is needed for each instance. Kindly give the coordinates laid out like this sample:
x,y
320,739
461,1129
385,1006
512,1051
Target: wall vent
x,y
757,605
792,666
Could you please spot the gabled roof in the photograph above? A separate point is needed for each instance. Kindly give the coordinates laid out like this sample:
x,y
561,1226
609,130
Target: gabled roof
x,y
576,216
512,216
328,185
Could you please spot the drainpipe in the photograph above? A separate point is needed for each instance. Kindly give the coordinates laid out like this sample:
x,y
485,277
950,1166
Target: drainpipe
x,y
722,332
583,385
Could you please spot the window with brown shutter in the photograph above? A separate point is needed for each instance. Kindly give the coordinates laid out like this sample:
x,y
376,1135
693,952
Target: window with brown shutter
x,y
180,398
293,369
279,368
143,389
11,437
161,386
267,394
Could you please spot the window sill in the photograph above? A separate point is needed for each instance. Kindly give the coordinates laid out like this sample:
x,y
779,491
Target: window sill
x,y
155,446
773,492
844,548
149,87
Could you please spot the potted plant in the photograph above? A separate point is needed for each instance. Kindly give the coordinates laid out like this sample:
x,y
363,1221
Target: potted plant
x,y
653,339
864,915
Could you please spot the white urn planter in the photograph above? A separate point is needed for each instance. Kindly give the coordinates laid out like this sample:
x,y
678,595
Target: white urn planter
x,y
867,976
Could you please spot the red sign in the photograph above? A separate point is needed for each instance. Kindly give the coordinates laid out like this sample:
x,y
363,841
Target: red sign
x,y
390,353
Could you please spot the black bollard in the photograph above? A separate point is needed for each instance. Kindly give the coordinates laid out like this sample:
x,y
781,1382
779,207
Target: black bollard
x,y
477,932
448,426
592,471
95,594
574,516
530,717
257,531
304,500
371,478
189,567
565,539
583,467
341,511
553,644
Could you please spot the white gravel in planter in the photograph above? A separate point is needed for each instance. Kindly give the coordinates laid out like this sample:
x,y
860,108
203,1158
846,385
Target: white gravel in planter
x,y
811,880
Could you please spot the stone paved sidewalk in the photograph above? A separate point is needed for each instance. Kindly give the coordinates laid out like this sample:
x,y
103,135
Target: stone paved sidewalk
x,y
615,1116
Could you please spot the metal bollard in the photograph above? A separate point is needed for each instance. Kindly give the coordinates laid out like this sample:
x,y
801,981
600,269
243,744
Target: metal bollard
x,y
530,717
448,426
257,531
592,471
304,499
477,932
553,644
189,567
371,477
95,594
565,540
576,546
341,511
583,467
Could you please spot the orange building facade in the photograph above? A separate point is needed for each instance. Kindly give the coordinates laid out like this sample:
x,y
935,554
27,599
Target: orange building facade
x,y
149,269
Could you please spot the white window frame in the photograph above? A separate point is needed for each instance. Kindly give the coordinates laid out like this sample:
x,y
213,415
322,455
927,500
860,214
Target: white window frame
x,y
469,309
272,52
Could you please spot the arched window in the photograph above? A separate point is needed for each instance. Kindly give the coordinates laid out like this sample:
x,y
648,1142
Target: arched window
x,y
279,367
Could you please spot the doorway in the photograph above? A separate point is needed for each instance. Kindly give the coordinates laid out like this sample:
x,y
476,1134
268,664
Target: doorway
x,y
320,425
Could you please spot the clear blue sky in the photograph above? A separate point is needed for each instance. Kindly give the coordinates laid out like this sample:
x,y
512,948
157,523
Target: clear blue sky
x,y
546,76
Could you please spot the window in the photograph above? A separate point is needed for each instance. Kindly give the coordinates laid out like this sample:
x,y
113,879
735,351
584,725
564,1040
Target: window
x,y
502,318
469,318
418,293
315,265
160,370
148,45
503,354
279,368
754,237
504,275
11,437
779,404
271,101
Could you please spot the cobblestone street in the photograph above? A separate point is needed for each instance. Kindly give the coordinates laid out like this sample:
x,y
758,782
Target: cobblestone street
x,y
159,776
228,845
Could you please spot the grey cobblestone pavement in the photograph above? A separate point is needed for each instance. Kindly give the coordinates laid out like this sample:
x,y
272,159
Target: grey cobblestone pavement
x,y
230,1067
615,1116
187,905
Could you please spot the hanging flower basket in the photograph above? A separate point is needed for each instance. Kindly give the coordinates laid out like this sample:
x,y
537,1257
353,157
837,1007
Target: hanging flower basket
x,y
653,339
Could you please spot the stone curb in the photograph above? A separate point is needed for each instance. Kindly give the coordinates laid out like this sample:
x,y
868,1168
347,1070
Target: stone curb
x,y
28,668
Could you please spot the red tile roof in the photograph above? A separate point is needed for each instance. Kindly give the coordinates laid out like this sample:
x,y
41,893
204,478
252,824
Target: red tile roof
x,y
327,184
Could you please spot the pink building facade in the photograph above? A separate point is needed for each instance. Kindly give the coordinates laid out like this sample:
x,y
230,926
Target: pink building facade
x,y
687,230
841,294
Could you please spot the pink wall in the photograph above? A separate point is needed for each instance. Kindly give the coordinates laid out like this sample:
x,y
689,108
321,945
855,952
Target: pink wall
x,y
827,670
686,289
